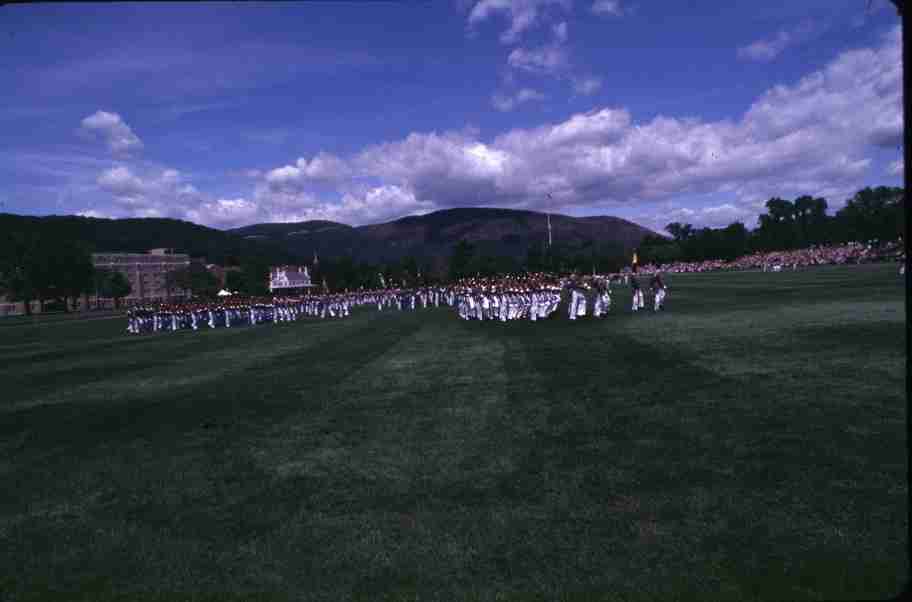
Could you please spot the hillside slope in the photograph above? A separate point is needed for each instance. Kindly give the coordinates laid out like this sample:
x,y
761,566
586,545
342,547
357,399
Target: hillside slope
x,y
431,237
138,235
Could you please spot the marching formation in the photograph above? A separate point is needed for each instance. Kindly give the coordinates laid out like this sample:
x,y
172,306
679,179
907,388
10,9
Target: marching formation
x,y
234,312
237,311
529,297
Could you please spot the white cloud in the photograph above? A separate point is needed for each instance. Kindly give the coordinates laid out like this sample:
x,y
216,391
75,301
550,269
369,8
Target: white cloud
x,y
120,181
896,168
813,136
361,205
381,203
808,137
527,94
165,192
610,8
153,193
549,59
713,216
521,14
116,133
859,93
587,85
503,102
765,50
560,32
224,213
545,60
92,213
322,168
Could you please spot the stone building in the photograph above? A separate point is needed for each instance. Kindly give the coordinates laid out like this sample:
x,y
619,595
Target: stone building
x,y
147,272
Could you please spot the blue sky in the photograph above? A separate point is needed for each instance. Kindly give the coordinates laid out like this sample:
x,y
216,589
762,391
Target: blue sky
x,y
361,112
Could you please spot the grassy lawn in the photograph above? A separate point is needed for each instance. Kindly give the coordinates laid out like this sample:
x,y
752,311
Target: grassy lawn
x,y
749,443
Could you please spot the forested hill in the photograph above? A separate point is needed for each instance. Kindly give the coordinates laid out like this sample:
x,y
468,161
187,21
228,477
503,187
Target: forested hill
x,y
432,237
429,239
138,235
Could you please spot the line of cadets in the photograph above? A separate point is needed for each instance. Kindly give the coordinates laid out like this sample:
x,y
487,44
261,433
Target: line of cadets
x,y
533,297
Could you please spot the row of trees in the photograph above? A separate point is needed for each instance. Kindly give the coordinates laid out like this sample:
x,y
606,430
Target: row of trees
x,y
468,260
194,278
465,260
871,214
56,272
50,270
35,268
45,267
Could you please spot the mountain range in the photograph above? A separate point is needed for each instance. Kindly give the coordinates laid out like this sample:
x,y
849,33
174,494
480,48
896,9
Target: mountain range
x,y
428,238
431,237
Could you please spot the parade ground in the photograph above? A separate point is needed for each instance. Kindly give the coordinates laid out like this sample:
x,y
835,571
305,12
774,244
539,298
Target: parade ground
x,y
747,443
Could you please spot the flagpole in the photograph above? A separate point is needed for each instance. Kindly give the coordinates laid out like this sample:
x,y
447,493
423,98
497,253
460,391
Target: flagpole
x,y
551,198
549,231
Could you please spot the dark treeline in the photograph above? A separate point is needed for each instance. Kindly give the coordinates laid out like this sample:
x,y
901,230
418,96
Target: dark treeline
x,y
40,268
49,259
871,214
138,235
468,259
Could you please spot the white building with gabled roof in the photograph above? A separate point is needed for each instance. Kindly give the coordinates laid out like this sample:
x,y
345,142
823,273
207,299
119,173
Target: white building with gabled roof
x,y
287,277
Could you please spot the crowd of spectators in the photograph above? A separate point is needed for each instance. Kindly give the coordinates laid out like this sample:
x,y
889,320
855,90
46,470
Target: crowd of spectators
x,y
847,253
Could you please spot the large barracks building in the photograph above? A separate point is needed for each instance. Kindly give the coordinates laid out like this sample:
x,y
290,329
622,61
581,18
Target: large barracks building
x,y
145,271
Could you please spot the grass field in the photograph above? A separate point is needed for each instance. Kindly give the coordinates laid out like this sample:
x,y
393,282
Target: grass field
x,y
749,443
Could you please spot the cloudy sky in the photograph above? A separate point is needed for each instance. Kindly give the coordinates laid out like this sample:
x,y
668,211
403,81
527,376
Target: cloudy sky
x,y
362,112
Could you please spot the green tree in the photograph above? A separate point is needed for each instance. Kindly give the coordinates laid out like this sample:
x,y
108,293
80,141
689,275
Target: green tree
x,y
810,218
17,267
408,270
46,268
461,260
659,250
680,232
194,278
75,272
256,277
235,281
112,284
119,287
780,211
873,213
535,259
777,227
735,241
